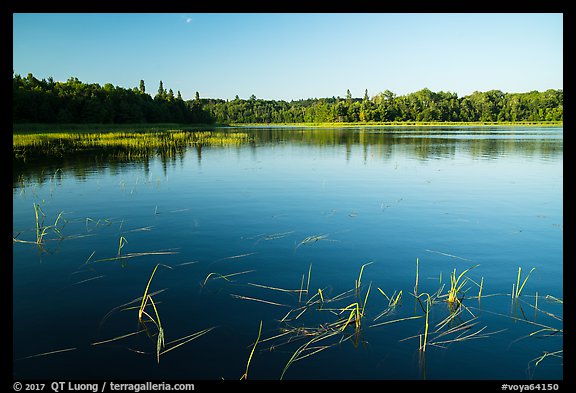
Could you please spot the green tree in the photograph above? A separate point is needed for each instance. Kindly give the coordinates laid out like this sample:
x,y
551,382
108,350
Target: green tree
x,y
161,91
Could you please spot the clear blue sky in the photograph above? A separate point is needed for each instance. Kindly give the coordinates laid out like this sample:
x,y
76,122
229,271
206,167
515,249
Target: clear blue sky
x,y
292,56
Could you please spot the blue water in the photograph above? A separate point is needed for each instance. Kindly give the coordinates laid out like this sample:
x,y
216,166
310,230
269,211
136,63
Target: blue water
x,y
451,198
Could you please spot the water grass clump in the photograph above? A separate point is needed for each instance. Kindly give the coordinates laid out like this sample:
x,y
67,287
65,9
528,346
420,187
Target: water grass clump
x,y
42,230
517,290
456,288
126,144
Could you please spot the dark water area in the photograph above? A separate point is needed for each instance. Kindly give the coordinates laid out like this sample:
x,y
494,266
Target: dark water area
x,y
313,233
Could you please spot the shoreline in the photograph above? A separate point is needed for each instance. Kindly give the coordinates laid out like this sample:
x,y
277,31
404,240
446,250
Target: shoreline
x,y
23,128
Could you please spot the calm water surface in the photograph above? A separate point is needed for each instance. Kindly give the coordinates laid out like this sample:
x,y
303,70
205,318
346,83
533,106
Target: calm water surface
x,y
240,230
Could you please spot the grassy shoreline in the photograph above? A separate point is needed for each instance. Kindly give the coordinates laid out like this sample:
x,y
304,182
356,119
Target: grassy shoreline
x,y
406,124
82,128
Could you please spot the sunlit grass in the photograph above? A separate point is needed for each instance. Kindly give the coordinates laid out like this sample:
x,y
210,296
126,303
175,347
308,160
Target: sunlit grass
x,y
456,287
129,144
533,364
170,346
146,296
121,244
226,277
417,276
516,291
245,375
318,320
393,301
40,229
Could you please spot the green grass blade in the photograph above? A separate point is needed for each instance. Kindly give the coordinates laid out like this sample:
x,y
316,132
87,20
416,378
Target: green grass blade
x,y
519,290
245,375
145,297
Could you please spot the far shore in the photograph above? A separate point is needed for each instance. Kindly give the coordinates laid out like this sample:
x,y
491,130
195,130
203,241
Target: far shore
x,y
47,128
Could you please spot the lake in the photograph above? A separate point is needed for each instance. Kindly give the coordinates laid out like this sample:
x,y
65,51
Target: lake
x,y
355,253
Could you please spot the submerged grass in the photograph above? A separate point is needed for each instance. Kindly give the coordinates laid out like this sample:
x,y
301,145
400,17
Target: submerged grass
x,y
245,375
533,364
147,298
417,275
216,275
50,353
319,320
258,300
135,255
185,340
312,239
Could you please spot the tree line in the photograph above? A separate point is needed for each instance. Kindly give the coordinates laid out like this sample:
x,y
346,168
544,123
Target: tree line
x,y
421,106
47,101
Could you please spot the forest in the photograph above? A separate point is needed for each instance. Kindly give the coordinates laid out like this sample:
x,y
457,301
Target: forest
x,y
73,101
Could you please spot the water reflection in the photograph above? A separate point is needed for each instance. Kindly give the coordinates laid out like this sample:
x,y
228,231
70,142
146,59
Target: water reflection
x,y
36,157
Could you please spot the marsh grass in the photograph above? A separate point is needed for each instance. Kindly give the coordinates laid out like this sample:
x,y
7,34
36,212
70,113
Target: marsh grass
x,y
121,144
